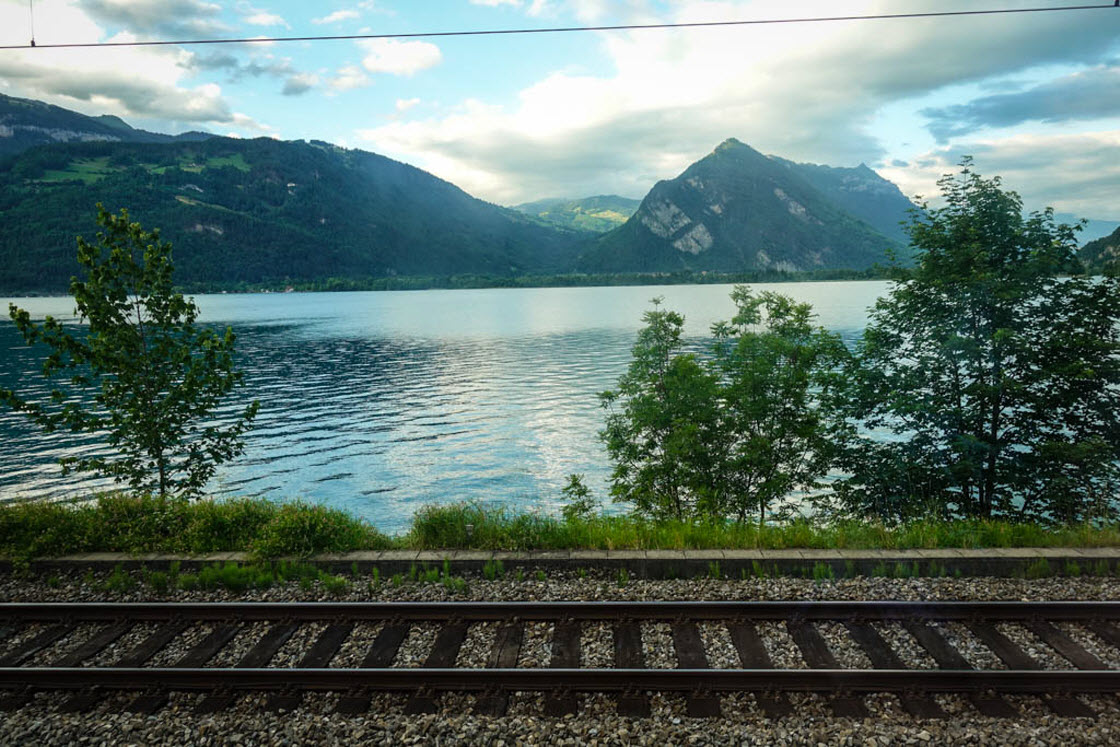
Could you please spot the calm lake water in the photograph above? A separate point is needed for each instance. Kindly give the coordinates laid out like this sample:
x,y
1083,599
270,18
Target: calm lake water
x,y
379,403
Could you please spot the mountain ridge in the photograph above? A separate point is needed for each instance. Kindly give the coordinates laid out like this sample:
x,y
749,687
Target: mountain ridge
x,y
734,210
26,123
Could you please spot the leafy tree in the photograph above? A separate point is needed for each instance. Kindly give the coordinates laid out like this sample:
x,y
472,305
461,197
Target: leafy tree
x,y
665,436
732,433
775,367
995,380
142,374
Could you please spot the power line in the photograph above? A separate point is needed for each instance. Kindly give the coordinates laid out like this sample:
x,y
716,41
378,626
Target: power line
x,y
566,29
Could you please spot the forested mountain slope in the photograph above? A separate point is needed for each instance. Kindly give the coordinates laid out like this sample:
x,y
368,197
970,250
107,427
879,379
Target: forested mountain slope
x,y
261,210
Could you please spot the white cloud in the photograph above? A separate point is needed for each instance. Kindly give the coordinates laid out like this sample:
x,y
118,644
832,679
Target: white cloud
x,y
148,18
495,3
338,15
1072,173
263,18
804,91
348,78
397,57
404,105
132,82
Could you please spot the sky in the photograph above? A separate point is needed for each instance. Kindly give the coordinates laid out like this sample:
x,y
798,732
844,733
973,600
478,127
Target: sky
x,y
1034,97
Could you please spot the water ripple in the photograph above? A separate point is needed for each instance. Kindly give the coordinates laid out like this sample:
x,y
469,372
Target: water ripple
x,y
380,403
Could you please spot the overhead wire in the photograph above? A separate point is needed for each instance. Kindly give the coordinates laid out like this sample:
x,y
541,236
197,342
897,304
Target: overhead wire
x,y
562,29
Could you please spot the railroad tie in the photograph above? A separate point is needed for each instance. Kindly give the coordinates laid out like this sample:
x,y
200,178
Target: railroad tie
x,y
689,647
565,655
318,656
948,657
141,653
1064,645
445,650
753,655
258,656
93,646
380,656
882,656
628,654
202,652
46,638
507,648
1016,658
818,656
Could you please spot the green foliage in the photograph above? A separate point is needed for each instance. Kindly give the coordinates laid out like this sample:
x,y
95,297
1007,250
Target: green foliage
x,y
999,380
776,438
823,572
143,375
1039,569
623,578
124,523
580,504
300,529
491,527
664,437
729,435
493,570
119,581
336,585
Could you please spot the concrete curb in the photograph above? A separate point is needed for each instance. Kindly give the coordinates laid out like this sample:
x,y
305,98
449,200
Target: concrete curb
x,y
657,563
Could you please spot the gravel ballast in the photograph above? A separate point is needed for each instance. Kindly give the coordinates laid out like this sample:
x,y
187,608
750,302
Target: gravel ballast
x,y
248,721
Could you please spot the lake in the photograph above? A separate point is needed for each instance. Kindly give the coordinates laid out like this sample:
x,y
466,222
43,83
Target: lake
x,y
381,402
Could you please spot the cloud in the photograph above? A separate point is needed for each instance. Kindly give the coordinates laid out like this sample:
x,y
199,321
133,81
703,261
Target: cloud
x,y
404,105
135,83
118,92
262,18
1073,173
397,57
1090,94
348,78
299,83
159,18
584,10
338,15
809,92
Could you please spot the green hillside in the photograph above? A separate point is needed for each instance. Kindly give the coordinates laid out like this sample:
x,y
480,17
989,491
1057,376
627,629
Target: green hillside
x,y
1102,254
261,210
597,214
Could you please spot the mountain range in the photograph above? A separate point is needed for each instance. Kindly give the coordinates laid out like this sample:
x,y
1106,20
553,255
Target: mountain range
x,y
736,209
244,212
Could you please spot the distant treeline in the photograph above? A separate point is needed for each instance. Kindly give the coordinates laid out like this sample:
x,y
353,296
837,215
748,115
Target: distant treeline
x,y
538,281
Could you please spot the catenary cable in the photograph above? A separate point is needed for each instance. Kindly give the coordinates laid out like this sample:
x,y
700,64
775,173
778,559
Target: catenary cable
x,y
566,29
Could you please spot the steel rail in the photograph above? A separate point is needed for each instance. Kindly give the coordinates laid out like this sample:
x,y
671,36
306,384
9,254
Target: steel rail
x,y
530,611
547,680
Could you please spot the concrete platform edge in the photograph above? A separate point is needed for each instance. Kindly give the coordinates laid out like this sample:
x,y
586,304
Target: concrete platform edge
x,y
809,563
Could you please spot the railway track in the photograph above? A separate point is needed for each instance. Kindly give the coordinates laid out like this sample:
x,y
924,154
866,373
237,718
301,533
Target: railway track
x,y
191,647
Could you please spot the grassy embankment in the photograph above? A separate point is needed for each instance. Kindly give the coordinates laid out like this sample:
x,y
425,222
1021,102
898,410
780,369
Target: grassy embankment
x,y
118,523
